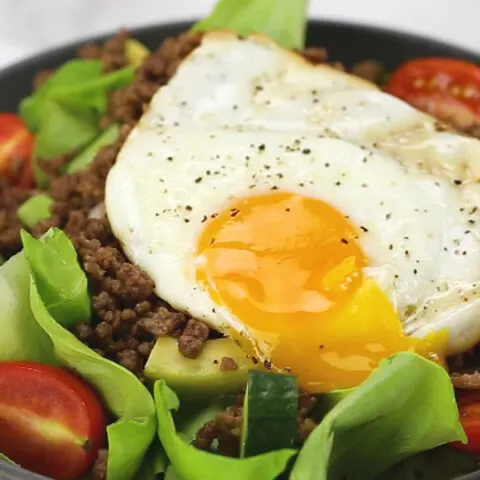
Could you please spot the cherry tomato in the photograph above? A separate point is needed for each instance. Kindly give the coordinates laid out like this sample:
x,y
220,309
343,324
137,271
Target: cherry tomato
x,y
446,88
16,147
469,406
51,422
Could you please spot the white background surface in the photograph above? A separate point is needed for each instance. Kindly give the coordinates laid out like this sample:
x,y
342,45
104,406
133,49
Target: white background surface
x,y
30,26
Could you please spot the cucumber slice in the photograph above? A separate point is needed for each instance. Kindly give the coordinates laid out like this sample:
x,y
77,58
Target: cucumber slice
x,y
270,412
201,377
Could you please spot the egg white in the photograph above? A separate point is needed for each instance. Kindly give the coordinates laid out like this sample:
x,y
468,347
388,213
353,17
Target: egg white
x,y
258,118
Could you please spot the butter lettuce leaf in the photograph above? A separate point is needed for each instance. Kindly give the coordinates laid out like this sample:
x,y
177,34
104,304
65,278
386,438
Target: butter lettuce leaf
x,y
66,111
69,74
61,282
284,21
405,407
190,463
21,337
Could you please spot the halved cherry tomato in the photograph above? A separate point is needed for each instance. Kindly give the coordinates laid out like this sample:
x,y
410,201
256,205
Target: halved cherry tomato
x,y
51,422
16,147
446,88
469,406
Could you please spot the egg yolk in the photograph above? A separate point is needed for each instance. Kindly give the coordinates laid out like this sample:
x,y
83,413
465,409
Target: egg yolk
x,y
290,269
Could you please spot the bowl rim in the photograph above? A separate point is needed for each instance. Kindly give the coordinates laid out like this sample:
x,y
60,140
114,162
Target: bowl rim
x,y
185,24
15,472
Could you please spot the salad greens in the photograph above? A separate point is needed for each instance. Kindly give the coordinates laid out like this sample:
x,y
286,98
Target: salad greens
x,y
65,112
282,20
405,407
87,155
193,464
61,282
35,209
22,338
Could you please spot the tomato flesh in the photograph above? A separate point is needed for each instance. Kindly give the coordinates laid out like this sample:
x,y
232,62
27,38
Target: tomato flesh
x,y
51,422
16,148
469,406
446,88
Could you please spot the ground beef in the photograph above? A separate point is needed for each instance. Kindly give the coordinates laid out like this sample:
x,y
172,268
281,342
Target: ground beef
x,y
228,364
10,199
226,427
371,70
99,471
192,339
112,52
127,105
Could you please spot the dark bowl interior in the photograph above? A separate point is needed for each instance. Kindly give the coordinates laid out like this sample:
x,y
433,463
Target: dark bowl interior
x,y
347,43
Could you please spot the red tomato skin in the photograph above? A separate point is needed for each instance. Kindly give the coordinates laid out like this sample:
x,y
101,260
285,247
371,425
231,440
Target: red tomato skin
x,y
469,407
444,87
51,422
16,150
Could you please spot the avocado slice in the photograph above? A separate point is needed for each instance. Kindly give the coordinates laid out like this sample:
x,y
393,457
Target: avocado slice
x,y
136,52
35,209
201,377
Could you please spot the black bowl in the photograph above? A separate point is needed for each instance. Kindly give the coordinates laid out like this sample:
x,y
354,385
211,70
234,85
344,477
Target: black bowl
x,y
348,43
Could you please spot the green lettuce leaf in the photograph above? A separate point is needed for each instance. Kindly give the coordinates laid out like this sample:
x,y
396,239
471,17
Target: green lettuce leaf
x,y
284,21
405,407
154,463
88,154
21,337
66,111
61,282
193,464
70,74
129,437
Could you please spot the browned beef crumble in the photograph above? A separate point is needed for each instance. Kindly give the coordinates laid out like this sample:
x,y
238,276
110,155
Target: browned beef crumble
x,y
228,364
371,70
112,52
99,470
225,429
10,199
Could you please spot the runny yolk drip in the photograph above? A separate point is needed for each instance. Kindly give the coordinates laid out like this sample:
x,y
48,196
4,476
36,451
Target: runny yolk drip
x,y
290,269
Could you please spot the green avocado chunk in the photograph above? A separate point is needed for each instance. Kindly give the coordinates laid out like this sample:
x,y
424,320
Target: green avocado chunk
x,y
203,376
136,52
87,155
35,209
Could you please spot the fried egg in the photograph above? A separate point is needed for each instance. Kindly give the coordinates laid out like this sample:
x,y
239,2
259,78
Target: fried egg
x,y
321,222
